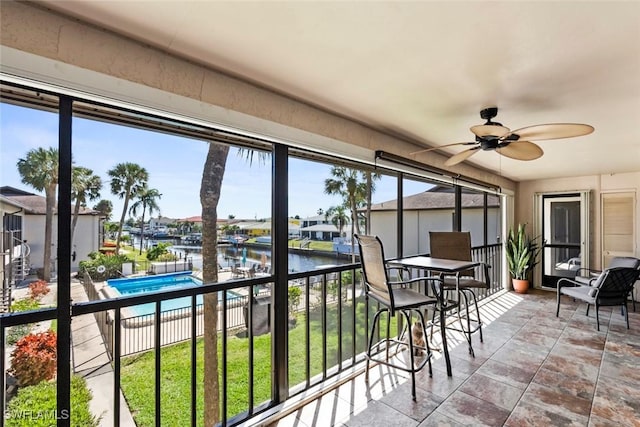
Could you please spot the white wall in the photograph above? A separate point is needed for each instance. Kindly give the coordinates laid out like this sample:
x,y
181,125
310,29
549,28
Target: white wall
x,y
86,238
417,225
598,184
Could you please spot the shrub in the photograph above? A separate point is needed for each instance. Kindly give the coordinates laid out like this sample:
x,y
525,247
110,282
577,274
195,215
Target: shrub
x,y
294,298
160,252
34,358
112,266
35,406
25,304
38,289
16,333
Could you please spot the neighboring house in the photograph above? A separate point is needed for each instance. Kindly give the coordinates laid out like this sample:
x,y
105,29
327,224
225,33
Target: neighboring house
x,y
319,228
191,224
254,228
433,210
294,228
160,223
15,253
263,228
86,237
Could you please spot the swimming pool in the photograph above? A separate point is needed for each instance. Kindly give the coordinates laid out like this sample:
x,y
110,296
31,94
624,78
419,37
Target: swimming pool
x,y
161,282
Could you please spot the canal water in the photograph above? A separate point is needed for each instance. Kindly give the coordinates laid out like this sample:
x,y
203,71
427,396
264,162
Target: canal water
x,y
229,255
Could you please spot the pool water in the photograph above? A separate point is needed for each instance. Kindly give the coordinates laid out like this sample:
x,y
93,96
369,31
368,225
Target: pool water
x,y
161,282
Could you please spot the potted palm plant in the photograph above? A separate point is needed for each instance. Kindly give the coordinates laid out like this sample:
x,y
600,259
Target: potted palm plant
x,y
522,255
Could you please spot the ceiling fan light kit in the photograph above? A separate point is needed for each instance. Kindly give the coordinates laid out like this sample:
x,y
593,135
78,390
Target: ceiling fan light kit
x,y
493,136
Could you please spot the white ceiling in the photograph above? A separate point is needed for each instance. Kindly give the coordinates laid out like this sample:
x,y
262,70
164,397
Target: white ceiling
x,y
425,69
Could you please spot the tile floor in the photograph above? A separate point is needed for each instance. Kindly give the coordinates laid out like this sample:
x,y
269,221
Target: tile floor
x,y
533,369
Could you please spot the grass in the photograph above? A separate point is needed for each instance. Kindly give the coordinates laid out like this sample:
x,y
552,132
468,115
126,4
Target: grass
x,y
35,406
138,372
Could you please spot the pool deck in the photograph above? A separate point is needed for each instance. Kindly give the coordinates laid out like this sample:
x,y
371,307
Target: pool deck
x,y
90,360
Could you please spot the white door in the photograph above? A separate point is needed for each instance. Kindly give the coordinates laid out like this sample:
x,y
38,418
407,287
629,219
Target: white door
x,y
618,231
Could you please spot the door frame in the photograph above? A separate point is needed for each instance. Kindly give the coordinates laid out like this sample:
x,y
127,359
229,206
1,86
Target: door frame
x,y
585,227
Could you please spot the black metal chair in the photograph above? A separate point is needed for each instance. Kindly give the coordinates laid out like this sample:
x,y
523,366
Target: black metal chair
x,y
610,288
457,245
394,297
587,276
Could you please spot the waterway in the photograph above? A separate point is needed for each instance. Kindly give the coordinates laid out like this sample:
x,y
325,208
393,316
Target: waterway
x,y
229,255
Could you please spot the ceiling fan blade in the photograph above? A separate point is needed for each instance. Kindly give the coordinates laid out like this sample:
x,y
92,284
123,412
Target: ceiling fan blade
x,y
441,146
486,130
461,156
552,131
521,150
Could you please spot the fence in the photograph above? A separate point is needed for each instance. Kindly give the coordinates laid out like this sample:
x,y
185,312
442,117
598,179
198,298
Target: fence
x,y
329,336
138,332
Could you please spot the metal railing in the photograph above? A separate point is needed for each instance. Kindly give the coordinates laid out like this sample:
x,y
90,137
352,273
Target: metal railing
x,y
329,320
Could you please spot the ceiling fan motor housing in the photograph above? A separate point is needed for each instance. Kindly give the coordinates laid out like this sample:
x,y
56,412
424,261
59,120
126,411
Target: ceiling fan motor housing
x,y
489,113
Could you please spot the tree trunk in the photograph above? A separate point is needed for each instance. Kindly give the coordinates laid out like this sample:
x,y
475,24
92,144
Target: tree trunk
x,y
50,194
354,214
368,212
124,213
141,228
209,196
74,220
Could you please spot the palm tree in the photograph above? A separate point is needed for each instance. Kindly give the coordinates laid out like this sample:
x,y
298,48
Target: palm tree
x,y
356,188
370,189
346,183
338,217
209,196
84,186
146,198
127,179
210,186
105,207
39,169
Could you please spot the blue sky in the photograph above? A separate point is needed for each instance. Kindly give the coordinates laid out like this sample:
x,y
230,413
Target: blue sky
x,y
174,164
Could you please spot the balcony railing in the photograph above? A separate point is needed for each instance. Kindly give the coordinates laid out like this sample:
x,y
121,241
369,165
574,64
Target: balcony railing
x,y
329,319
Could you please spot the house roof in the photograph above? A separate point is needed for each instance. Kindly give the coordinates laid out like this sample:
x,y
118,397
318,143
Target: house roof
x,y
8,191
191,219
11,202
33,204
437,199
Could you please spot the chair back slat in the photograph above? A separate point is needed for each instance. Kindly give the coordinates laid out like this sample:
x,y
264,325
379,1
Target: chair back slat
x,y
373,267
616,283
452,245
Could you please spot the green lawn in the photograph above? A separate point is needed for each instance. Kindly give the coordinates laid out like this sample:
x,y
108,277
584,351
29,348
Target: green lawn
x,y
138,371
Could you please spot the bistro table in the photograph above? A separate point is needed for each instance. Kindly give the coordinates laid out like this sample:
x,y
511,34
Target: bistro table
x,y
439,265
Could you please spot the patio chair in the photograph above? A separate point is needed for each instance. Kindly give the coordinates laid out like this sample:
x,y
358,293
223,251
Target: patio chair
x,y
235,272
456,245
251,273
394,297
588,276
610,288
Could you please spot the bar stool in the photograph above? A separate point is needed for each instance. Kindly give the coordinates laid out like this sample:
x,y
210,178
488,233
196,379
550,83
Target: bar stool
x,y
394,297
457,245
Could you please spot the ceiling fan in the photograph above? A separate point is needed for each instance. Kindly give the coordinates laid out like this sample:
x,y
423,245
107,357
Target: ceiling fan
x,y
514,144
